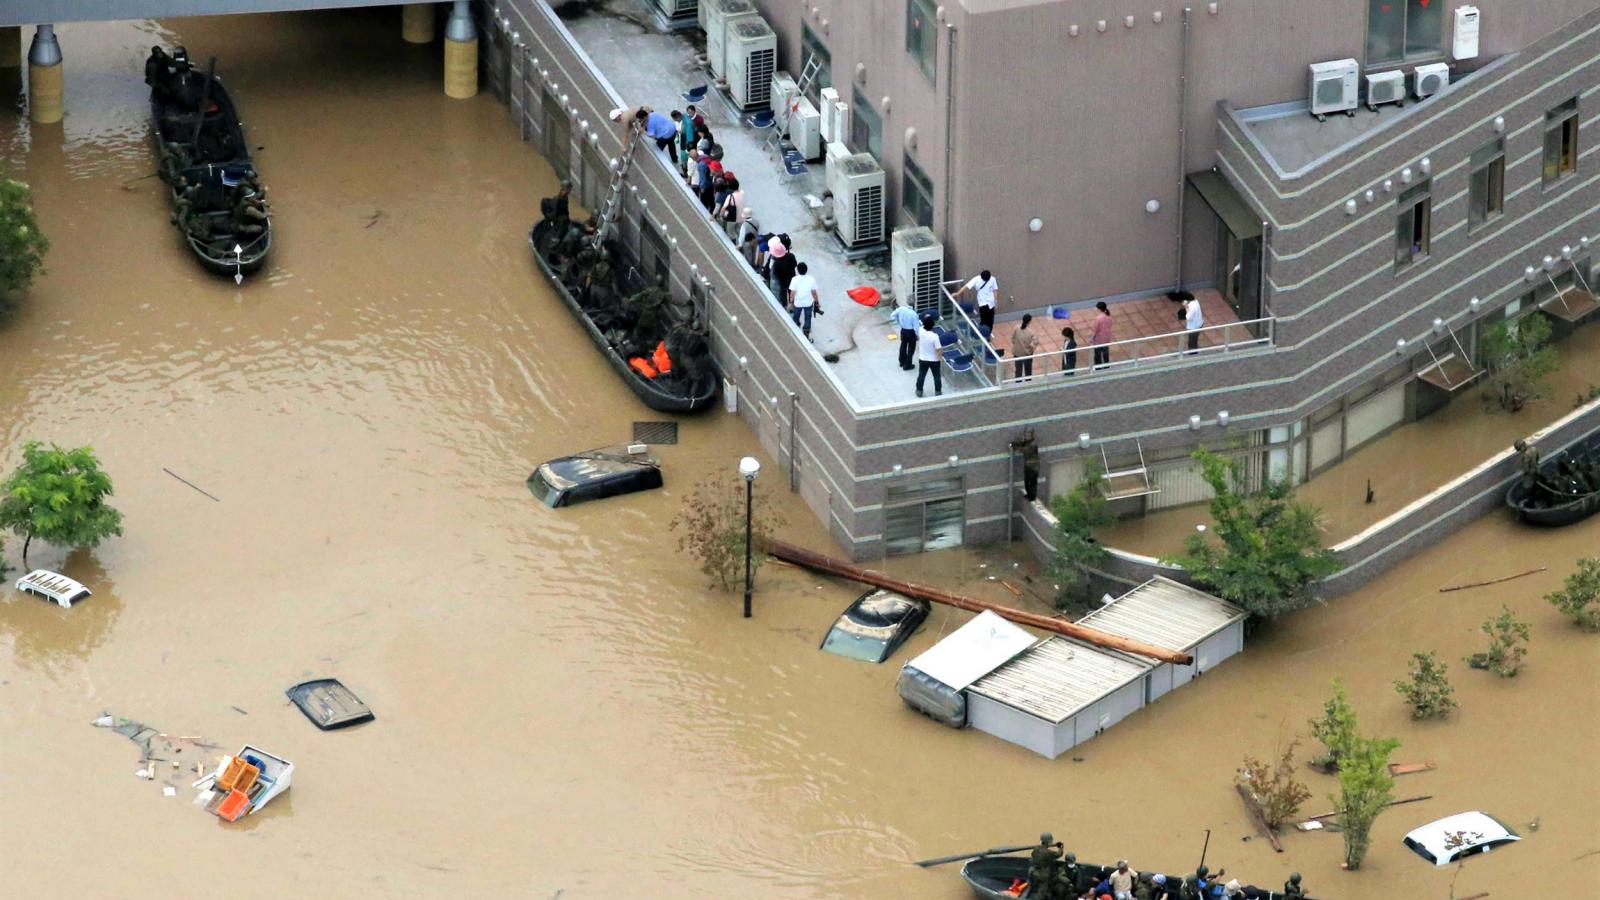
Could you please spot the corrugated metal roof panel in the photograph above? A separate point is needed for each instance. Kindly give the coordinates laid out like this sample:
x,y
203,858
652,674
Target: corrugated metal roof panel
x,y
1164,613
972,651
1058,678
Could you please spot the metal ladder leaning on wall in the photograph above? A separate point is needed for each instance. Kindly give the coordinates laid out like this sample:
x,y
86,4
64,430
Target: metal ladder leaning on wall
x,y
780,126
611,209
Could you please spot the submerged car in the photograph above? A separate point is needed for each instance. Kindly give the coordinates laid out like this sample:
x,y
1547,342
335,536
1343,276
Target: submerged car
x,y
1459,836
594,475
875,626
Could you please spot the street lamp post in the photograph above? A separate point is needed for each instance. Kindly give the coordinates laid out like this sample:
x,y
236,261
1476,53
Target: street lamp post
x,y
749,467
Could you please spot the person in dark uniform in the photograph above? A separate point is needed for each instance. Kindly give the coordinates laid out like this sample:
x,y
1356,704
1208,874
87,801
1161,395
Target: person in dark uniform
x,y
1530,463
1292,889
1042,865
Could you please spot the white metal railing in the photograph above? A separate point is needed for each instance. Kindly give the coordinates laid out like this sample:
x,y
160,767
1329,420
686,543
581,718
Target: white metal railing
x,y
1151,350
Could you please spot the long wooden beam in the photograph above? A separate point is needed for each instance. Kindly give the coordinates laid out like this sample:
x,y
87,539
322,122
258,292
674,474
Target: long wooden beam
x,y
827,565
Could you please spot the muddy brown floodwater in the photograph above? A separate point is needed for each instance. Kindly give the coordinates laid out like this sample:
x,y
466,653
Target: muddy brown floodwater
x,y
563,708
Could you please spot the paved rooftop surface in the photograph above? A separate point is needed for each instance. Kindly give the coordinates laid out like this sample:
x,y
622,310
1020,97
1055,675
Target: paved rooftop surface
x,y
1145,317
654,69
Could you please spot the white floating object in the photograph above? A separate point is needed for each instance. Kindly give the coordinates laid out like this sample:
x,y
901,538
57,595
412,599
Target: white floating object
x,y
142,773
52,586
238,278
104,722
168,790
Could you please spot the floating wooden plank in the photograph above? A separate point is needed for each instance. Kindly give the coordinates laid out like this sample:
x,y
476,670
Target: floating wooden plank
x,y
1410,768
1477,584
817,562
1256,814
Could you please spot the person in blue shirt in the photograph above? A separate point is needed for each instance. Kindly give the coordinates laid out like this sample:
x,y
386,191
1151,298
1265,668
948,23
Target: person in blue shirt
x,y
905,318
665,130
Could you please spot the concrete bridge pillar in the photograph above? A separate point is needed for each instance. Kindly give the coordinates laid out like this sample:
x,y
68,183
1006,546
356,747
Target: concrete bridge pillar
x,y
44,77
417,23
460,53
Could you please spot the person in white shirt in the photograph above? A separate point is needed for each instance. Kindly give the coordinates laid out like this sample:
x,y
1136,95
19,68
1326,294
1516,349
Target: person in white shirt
x,y
1194,319
802,299
928,348
986,288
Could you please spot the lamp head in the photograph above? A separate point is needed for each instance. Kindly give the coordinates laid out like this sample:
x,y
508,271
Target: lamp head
x,y
749,467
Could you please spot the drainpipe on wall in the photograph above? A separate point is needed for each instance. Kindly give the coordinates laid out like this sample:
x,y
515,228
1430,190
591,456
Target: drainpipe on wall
x,y
1183,142
949,126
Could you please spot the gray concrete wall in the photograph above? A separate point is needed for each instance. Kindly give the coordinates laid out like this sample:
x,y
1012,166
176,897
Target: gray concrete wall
x,y
35,12
1374,551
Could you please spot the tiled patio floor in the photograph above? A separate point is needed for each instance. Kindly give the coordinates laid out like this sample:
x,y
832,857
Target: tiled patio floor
x,y
1144,317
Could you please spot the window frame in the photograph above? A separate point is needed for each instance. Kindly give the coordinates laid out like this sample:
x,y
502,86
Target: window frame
x,y
1403,41
1413,251
915,183
925,51
1562,128
1490,163
864,116
812,46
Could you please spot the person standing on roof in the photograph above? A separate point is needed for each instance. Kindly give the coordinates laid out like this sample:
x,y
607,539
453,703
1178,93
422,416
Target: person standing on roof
x,y
665,130
986,288
784,266
1100,339
928,347
1024,344
1194,319
905,318
803,299
686,138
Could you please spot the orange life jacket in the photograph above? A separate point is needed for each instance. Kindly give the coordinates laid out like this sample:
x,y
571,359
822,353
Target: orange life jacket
x,y
661,359
642,366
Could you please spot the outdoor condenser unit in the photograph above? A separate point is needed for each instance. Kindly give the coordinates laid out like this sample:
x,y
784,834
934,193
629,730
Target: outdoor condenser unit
x,y
718,16
828,97
1334,87
1430,79
676,9
783,90
805,129
1386,87
833,154
917,268
858,201
752,49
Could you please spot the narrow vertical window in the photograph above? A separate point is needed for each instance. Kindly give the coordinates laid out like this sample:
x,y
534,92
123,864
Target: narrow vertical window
x,y
1561,141
1487,191
1413,225
922,36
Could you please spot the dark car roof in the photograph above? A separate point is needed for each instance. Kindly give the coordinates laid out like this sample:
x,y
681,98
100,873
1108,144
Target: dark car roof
x,y
881,608
596,465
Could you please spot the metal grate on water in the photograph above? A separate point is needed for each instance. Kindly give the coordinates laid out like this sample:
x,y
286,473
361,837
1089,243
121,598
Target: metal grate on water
x,y
655,432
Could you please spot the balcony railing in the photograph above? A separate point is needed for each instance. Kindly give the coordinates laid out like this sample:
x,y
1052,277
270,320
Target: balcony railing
x,y
1147,351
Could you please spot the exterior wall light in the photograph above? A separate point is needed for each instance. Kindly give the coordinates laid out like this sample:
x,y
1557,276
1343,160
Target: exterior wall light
x,y
1473,305
1194,423
1222,419
1426,165
1083,440
1072,31
1400,345
1371,196
1100,26
1549,263
896,469
1035,224
1405,175
744,362
1438,325
1349,207
1152,206
1530,273
1566,253
953,461
1499,124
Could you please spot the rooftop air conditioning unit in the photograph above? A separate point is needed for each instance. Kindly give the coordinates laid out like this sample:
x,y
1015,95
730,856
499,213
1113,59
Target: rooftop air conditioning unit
x,y
677,13
917,265
1430,79
832,154
752,58
783,91
1334,88
718,16
839,114
1386,87
858,200
805,129
828,97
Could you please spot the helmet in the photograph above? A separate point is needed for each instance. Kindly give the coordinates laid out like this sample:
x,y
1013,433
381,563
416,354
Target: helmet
x,y
1047,838
1072,857
1294,878
1519,444
1201,872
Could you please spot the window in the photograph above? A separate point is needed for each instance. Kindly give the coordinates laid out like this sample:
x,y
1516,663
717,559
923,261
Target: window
x,y
923,517
1414,226
922,36
1487,192
811,47
1561,141
916,194
1402,29
866,126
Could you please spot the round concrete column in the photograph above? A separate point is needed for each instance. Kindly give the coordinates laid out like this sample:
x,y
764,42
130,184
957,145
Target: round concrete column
x,y
416,23
45,103
460,53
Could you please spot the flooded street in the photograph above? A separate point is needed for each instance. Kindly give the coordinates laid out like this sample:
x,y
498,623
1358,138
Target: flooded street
x,y
563,708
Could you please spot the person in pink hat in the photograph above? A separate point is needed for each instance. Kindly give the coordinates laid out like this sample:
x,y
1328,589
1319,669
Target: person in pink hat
x,y
783,267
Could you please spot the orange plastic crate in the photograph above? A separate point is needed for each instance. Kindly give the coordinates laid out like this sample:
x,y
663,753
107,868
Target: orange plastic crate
x,y
236,804
238,776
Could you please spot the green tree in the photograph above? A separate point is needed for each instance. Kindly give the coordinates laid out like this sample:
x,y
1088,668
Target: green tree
x,y
58,496
1336,728
711,528
1507,637
1576,599
1271,548
1518,361
1428,691
22,245
1365,788
1078,513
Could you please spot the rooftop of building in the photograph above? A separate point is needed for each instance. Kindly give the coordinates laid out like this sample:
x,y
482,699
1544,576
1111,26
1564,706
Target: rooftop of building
x,y
649,67
1297,141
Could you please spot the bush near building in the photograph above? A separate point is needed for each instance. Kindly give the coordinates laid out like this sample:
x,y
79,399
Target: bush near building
x,y
22,245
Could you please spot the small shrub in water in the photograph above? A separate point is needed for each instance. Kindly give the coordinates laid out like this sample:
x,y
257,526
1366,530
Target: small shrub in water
x,y
1427,691
1508,636
1576,599
1274,786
